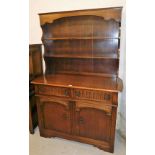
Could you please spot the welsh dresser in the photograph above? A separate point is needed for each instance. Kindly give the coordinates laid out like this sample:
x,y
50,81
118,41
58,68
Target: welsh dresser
x,y
77,98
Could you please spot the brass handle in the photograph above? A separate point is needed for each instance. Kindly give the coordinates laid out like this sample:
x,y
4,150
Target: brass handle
x,y
81,120
77,93
108,113
106,96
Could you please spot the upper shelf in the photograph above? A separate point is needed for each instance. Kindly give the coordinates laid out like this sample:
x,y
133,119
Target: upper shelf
x,y
79,38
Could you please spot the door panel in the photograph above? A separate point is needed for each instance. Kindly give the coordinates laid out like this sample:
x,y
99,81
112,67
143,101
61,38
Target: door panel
x,y
56,115
93,123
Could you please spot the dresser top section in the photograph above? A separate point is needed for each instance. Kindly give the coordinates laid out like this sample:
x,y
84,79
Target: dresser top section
x,y
80,81
107,13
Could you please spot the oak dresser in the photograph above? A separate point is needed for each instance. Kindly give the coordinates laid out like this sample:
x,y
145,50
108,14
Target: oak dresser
x,y
77,97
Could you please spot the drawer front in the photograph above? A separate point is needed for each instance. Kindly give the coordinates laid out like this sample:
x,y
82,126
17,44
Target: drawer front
x,y
93,95
55,91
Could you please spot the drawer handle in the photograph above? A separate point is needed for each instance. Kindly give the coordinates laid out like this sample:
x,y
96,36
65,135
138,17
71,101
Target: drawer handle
x,y
81,120
106,96
108,113
66,93
77,93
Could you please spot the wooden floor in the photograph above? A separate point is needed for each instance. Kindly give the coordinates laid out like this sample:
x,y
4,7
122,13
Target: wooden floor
x,y
58,146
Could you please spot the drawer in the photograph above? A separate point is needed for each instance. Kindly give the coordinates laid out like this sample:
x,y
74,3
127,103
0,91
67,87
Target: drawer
x,y
92,95
54,91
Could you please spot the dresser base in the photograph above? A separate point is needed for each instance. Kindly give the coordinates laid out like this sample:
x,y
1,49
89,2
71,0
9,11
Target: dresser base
x,y
97,143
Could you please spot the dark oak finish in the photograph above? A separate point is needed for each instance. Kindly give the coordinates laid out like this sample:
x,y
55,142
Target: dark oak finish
x,y
35,69
77,98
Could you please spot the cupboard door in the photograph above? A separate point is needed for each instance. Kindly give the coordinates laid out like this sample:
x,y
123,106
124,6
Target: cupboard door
x,y
55,114
93,120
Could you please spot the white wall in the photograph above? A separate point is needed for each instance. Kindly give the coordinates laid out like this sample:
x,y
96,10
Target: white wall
x,y
43,6
121,123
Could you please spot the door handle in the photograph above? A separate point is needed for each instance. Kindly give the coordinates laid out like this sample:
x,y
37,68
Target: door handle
x,y
65,117
81,120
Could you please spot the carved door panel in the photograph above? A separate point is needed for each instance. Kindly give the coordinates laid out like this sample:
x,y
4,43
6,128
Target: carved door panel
x,y
93,120
55,115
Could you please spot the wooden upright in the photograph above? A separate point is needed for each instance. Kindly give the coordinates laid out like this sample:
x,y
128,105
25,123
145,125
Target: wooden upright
x,y
35,69
77,97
